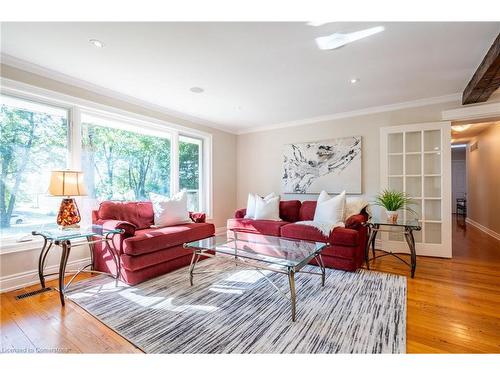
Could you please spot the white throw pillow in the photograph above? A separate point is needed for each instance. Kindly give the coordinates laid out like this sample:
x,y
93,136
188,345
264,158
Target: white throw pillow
x,y
170,211
330,209
250,213
353,206
267,209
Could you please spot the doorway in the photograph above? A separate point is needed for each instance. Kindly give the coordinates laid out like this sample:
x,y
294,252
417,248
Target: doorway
x,y
475,154
459,179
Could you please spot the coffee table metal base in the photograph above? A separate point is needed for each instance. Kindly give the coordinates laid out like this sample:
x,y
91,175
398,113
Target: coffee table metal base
x,y
289,271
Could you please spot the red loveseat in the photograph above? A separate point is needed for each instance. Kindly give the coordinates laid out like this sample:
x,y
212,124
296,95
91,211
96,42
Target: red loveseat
x,y
346,246
145,252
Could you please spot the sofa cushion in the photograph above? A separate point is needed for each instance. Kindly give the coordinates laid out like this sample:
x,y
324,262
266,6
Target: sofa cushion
x,y
289,210
303,232
266,227
139,214
339,236
138,262
150,240
307,210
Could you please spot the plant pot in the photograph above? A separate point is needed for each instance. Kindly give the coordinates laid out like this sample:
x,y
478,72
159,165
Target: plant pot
x,y
392,217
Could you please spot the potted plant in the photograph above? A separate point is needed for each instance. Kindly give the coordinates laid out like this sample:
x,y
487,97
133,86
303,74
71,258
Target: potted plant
x,y
393,201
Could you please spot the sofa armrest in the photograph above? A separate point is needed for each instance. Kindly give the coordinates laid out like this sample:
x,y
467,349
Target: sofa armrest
x,y
197,217
240,214
355,221
95,215
128,228
344,237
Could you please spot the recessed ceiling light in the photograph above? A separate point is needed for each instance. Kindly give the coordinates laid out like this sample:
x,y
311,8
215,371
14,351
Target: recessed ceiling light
x,y
354,80
337,40
196,90
96,43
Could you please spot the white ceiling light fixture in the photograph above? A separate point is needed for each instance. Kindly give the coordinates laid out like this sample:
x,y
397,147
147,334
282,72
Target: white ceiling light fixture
x,y
317,23
354,80
460,128
196,90
338,40
96,43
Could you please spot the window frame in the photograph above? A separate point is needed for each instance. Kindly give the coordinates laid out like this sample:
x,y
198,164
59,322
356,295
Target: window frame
x,y
77,107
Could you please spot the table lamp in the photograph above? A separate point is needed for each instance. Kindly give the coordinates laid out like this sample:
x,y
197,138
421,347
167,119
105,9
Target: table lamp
x,y
67,183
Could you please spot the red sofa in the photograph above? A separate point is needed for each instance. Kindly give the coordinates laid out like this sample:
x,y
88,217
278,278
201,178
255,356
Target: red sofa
x,y
346,246
145,252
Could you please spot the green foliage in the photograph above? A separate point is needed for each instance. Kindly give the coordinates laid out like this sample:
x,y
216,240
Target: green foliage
x,y
188,165
30,142
393,200
125,165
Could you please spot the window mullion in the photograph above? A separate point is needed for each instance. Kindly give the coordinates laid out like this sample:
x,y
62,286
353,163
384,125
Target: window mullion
x,y
75,130
174,168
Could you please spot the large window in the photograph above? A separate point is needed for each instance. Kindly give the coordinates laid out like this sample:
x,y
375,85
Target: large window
x,y
124,165
190,170
33,141
123,157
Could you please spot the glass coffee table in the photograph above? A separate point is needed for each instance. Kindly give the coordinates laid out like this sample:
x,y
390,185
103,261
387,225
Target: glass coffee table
x,y
259,252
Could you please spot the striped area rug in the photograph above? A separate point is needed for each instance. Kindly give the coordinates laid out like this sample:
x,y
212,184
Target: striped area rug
x,y
237,310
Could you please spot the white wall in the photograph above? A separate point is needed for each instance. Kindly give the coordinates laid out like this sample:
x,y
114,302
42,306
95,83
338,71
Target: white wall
x,y
483,181
17,268
260,154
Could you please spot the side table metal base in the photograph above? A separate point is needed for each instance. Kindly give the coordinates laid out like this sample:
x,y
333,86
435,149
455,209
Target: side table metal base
x,y
410,240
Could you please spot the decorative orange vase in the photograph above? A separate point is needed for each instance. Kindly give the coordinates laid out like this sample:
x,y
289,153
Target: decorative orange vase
x,y
68,216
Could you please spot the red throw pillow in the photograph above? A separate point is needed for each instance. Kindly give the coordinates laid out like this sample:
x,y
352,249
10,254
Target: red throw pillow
x,y
197,217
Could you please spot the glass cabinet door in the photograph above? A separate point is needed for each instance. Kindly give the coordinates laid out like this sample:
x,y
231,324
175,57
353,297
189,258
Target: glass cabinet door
x,y
412,158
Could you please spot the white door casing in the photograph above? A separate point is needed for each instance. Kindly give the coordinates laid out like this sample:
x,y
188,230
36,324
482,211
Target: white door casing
x,y
416,159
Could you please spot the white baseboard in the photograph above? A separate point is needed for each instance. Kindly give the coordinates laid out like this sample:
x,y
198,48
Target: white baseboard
x,y
402,247
483,228
23,279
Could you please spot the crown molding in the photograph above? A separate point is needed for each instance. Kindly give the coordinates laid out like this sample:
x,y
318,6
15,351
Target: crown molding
x,y
358,112
85,85
472,112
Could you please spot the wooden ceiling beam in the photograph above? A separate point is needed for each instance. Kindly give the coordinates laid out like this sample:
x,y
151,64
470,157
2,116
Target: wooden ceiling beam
x,y
486,79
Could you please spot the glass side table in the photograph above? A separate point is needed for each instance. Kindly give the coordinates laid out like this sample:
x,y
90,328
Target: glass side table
x,y
407,227
81,237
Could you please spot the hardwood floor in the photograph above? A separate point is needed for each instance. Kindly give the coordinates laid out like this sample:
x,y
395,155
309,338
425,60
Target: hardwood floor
x,y
453,307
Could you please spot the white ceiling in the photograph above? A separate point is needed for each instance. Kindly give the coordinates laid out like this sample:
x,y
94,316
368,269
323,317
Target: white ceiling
x,y
258,74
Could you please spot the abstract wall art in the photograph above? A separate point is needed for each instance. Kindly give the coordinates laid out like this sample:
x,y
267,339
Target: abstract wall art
x,y
332,165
